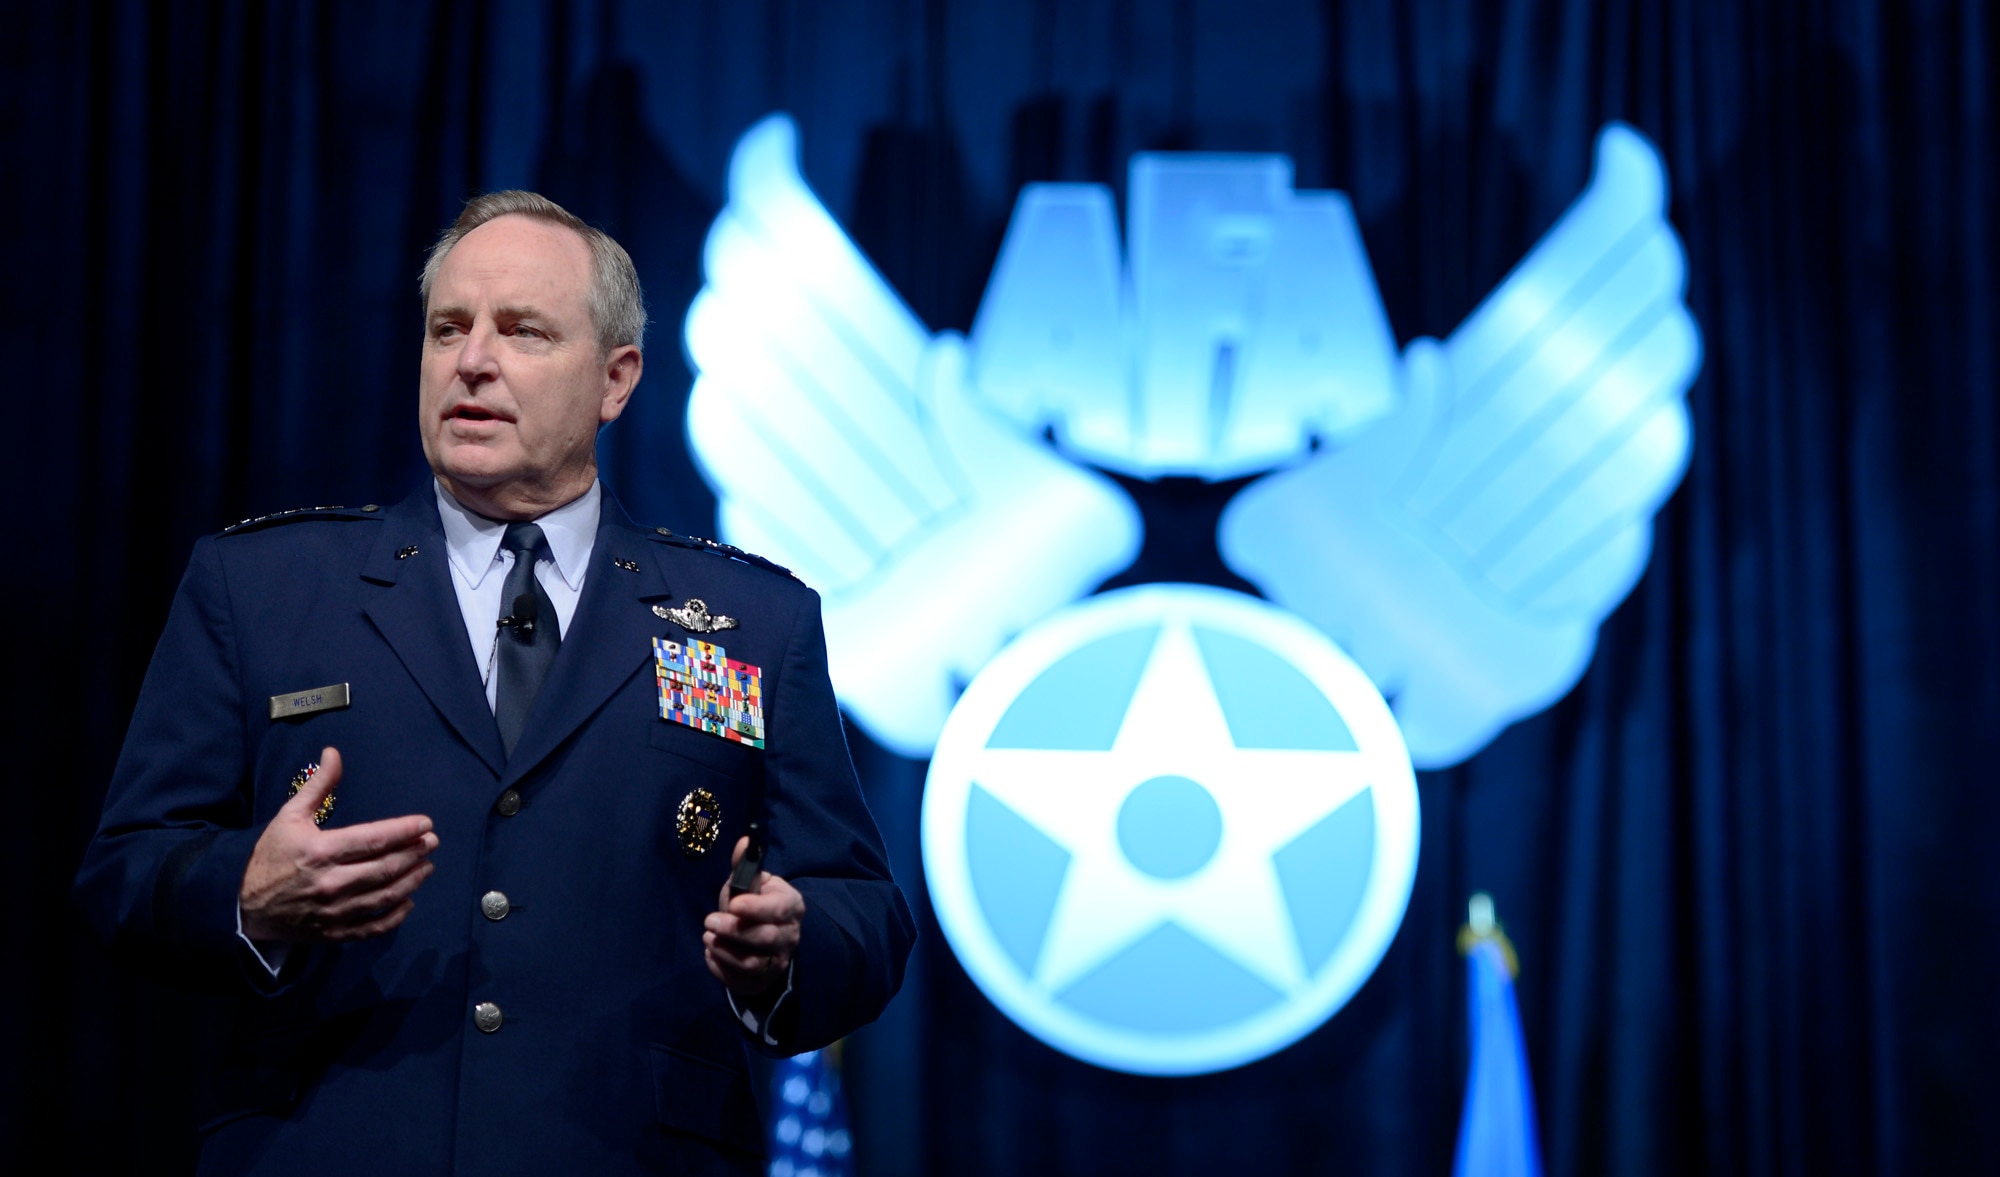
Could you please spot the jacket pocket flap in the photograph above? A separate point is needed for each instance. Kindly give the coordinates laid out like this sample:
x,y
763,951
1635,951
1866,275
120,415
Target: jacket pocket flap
x,y
237,1092
710,751
706,1099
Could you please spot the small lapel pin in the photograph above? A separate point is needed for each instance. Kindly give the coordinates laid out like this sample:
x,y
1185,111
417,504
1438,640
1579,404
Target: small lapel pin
x,y
299,779
406,553
627,565
695,617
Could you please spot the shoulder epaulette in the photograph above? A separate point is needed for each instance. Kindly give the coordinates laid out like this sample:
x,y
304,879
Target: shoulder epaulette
x,y
714,547
256,523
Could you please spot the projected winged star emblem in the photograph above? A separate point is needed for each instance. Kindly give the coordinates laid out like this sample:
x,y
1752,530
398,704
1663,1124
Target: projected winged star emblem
x,y
1458,517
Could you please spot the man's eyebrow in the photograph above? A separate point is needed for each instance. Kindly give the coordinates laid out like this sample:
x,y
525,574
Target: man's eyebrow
x,y
505,314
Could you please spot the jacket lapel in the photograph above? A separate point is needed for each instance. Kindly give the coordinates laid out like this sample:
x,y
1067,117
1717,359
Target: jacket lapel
x,y
610,637
416,611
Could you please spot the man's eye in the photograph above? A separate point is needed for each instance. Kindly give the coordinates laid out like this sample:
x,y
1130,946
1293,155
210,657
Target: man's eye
x,y
526,332
444,330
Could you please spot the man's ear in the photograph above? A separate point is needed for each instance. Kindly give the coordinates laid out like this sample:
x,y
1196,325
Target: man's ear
x,y
622,369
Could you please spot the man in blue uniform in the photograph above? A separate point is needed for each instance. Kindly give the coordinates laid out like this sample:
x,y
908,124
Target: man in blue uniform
x,y
446,793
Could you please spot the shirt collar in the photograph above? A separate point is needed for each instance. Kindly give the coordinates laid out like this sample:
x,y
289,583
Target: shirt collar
x,y
472,541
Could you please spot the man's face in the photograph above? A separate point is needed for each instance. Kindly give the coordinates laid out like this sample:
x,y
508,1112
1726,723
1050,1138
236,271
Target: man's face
x,y
513,386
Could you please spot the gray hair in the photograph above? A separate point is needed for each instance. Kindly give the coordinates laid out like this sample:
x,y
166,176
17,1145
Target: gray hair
x,y
617,308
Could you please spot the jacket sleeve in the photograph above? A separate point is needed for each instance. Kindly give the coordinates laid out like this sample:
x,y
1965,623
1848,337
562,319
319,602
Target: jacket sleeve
x,y
857,932
160,879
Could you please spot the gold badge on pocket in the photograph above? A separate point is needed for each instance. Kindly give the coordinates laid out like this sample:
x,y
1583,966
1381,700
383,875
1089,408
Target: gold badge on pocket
x,y
698,822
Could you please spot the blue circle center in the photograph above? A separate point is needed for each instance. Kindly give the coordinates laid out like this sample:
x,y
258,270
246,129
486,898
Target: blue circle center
x,y
1169,827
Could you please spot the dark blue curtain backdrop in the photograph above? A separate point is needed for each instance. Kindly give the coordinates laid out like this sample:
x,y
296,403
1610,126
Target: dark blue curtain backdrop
x,y
1748,863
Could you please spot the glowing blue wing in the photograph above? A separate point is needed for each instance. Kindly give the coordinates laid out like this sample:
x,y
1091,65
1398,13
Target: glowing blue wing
x,y
843,440
1466,549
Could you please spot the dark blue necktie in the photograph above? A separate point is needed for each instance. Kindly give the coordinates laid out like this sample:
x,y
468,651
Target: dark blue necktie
x,y
532,634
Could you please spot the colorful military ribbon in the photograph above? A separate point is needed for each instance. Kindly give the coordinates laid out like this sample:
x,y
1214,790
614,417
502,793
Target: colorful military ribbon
x,y
702,687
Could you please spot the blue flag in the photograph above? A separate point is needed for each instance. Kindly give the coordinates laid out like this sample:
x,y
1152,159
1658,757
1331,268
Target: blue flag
x,y
1496,1135
809,1117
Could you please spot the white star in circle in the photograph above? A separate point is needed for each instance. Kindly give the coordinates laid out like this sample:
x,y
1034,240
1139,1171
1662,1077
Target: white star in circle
x,y
1174,726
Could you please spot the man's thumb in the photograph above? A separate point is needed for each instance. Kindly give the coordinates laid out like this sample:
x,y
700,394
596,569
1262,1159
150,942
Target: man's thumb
x,y
319,784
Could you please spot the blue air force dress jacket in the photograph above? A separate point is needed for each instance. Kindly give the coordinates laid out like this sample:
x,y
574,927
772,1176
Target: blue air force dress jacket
x,y
616,1050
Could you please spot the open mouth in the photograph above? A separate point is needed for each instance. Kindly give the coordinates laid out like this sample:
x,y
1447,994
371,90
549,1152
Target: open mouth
x,y
473,413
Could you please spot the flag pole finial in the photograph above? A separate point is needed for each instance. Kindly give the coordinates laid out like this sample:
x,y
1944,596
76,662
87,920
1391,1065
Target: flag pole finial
x,y
1483,926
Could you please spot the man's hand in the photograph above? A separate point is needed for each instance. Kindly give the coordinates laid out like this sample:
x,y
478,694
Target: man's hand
x,y
750,939
305,883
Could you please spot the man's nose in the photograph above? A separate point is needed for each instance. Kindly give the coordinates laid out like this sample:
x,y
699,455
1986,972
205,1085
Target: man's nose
x,y
477,360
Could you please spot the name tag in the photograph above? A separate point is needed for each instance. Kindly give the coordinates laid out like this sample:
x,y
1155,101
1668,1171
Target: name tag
x,y
332,697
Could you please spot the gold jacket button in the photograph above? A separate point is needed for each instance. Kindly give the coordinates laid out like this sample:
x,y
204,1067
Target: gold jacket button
x,y
487,1017
509,803
494,906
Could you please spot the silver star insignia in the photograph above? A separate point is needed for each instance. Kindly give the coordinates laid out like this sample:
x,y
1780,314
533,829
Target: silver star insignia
x,y
695,617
